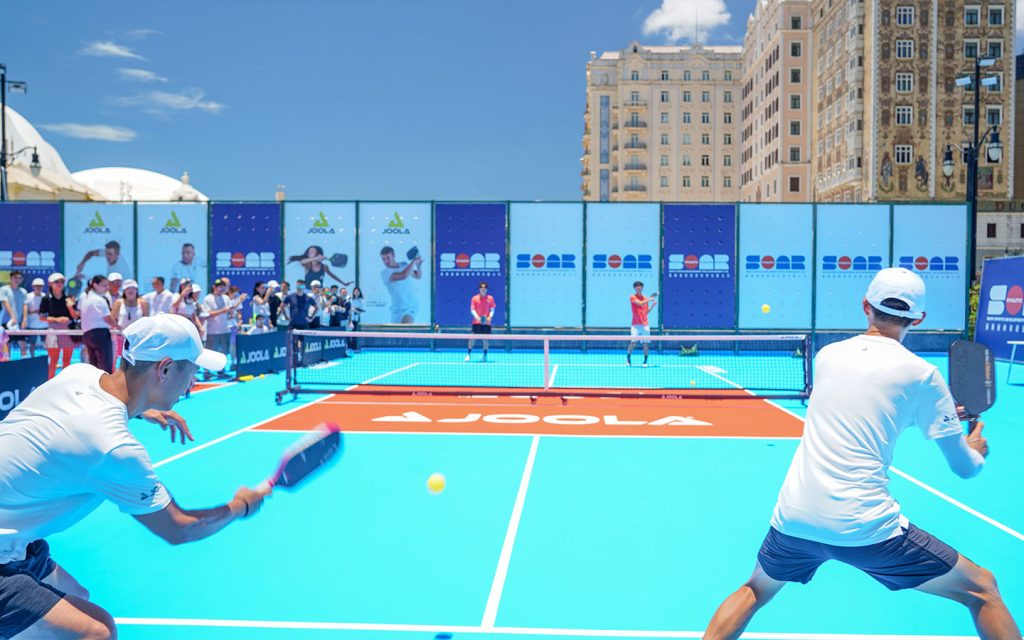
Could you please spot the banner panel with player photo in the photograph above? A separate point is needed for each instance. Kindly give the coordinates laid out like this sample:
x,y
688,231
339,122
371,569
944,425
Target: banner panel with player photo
x,y
173,244
320,243
546,264
699,266
853,245
395,262
470,240
623,246
245,243
775,264
931,241
99,239
1001,307
30,242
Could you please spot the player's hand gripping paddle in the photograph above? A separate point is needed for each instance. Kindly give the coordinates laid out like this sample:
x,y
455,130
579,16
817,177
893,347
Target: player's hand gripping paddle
x,y
412,253
339,260
972,378
313,452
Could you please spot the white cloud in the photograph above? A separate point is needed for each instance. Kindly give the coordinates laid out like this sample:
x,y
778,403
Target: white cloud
x,y
161,101
92,131
107,48
681,19
139,34
141,75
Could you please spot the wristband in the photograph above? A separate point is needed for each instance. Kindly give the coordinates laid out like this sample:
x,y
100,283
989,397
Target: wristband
x,y
246,503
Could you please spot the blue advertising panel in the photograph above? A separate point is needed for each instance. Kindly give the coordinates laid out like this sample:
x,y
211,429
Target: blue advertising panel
x,y
1000,305
623,245
699,289
931,241
173,244
470,241
99,239
546,264
19,378
261,353
852,246
31,239
775,259
320,243
245,245
395,262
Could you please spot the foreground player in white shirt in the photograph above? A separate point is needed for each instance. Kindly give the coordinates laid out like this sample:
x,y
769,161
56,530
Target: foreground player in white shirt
x,y
68,447
835,502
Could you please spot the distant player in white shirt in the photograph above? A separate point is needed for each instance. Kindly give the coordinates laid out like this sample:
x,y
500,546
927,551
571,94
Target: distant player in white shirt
x,y
398,278
186,268
835,502
68,447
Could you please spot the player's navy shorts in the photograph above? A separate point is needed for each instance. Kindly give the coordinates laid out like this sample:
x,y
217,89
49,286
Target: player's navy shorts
x,y
481,328
24,599
904,562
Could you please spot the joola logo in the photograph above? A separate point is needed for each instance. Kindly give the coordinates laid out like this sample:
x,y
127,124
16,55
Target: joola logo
x,y
935,263
396,225
260,355
776,263
321,225
550,262
626,262
705,263
470,261
573,420
855,263
173,225
97,225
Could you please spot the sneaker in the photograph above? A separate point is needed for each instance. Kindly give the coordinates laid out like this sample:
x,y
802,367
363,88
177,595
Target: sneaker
x,y
467,358
645,365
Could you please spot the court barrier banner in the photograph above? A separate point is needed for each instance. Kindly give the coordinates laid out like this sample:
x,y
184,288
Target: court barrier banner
x,y
699,269
245,244
31,240
99,239
546,264
261,353
320,243
395,240
317,349
470,249
18,378
1000,305
930,241
852,246
623,246
173,244
776,252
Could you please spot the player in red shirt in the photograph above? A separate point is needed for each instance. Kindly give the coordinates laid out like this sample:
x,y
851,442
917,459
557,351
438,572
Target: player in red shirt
x,y
641,306
482,307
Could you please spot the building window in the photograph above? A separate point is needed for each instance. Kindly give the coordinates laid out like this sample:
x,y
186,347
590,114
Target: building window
x,y
998,85
995,49
705,181
728,76
634,97
686,160
664,138
794,75
971,14
705,96
705,117
994,116
1022,230
970,49
795,49
727,182
904,82
905,16
904,115
664,117
796,22
727,117
664,160
968,115
995,16
686,76
904,153
664,182
794,184
686,181
794,101
664,75
990,230
664,96
634,75
705,138
727,138
687,139
794,154
904,49
726,160
705,160
794,128
705,76
727,96
686,96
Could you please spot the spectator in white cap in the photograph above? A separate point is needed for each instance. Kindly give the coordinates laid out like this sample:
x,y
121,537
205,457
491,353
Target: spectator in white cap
x,y
33,321
114,282
186,303
58,312
217,307
68,448
319,303
835,502
127,309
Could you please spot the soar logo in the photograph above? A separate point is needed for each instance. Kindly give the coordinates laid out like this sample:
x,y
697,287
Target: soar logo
x,y
550,262
466,262
767,264
396,226
236,260
935,264
320,225
1004,300
173,225
629,262
833,265
27,259
97,225
705,265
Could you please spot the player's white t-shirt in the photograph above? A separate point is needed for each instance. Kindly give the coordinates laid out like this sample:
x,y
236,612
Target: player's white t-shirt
x,y
94,308
63,451
867,390
181,270
403,293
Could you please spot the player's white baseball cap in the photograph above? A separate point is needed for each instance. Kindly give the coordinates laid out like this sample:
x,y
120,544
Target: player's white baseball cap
x,y
55,276
273,284
168,335
115,276
314,283
38,282
129,283
901,284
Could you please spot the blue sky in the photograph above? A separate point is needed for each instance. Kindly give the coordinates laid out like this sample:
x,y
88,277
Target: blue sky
x,y
343,99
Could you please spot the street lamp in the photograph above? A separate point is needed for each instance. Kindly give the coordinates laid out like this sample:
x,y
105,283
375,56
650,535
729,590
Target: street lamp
x,y
14,85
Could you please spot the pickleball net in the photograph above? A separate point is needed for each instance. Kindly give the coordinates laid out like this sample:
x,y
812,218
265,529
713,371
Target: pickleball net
x,y
698,365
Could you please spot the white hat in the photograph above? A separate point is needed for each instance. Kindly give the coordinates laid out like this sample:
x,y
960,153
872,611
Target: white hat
x,y
129,283
314,283
55,276
168,335
115,276
38,282
273,284
196,288
901,284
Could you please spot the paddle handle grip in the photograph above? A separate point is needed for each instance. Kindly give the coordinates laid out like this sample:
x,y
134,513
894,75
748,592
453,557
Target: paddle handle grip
x,y
265,487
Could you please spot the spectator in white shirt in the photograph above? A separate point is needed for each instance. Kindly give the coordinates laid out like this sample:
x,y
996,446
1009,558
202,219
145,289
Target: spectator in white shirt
x,y
159,299
186,268
186,303
97,323
33,301
12,309
218,307
127,309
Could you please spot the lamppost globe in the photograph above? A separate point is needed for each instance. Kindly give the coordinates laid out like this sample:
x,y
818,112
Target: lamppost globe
x,y
995,147
947,162
35,167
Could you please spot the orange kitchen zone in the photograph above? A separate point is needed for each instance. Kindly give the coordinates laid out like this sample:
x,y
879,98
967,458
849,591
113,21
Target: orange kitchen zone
x,y
479,412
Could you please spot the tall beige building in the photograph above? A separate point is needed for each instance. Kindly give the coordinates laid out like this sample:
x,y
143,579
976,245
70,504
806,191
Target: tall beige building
x,y
662,123
776,133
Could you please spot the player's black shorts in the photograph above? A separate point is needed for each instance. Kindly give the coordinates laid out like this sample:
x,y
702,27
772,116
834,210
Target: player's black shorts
x,y
481,328
24,598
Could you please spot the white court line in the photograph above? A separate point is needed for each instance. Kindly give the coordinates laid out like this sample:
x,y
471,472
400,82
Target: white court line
x,y
512,631
206,445
492,362
498,585
509,434
551,380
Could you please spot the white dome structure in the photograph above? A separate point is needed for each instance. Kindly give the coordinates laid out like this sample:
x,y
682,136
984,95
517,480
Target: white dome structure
x,y
124,184
54,181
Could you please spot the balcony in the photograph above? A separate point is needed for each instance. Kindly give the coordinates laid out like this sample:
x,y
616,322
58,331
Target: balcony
x,y
635,104
636,166
636,188
635,124
635,145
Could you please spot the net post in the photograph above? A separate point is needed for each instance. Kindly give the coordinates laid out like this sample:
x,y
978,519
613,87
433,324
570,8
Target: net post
x,y
289,378
547,364
808,362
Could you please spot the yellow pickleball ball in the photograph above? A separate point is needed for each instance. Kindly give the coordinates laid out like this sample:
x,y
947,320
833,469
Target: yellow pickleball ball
x,y
435,483
765,308
693,383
